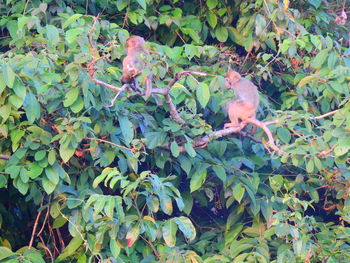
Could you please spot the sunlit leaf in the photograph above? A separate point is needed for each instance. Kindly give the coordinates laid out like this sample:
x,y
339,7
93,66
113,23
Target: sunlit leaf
x,y
186,227
169,232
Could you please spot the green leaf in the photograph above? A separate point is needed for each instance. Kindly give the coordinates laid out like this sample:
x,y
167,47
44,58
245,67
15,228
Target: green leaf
x,y
169,232
9,76
109,208
186,227
189,149
203,94
71,34
276,182
235,35
220,172
284,134
174,149
99,178
332,60
212,3
115,249
73,245
71,20
5,252
52,175
121,4
310,165
51,157
153,203
315,3
34,256
39,155
48,186
306,80
314,194
165,203
52,34
316,41
260,24
221,34
212,19
32,107
197,179
142,3
16,135
66,151
21,186
127,129
154,139
320,58
22,21
5,112
2,82
71,97
238,192
132,235
78,105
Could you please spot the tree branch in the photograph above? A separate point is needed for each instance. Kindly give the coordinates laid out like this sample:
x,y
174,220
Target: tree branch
x,y
5,156
91,70
36,222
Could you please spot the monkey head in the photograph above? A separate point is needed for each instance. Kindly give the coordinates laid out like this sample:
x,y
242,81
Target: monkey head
x,y
134,43
231,78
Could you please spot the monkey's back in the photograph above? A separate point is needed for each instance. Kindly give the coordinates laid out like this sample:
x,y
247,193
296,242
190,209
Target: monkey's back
x,y
133,64
247,92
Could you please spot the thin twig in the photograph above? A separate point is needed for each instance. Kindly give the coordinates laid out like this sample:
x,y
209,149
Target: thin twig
x,y
36,223
325,153
44,222
325,115
111,143
63,245
151,246
91,70
53,239
91,42
46,248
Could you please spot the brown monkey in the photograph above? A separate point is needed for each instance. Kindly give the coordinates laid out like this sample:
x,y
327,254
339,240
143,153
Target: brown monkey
x,y
246,101
134,62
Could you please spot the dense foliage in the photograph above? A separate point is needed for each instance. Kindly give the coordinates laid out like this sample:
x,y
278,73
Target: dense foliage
x,y
82,181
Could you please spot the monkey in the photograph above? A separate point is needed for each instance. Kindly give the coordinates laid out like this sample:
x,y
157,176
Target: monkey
x,y
245,103
133,64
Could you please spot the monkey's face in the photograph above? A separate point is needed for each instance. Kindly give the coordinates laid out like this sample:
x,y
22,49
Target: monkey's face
x,y
232,76
134,42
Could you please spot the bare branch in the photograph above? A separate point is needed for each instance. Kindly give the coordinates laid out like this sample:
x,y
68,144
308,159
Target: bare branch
x,y
267,123
271,142
5,156
36,222
325,115
111,143
91,70
173,111
325,153
91,42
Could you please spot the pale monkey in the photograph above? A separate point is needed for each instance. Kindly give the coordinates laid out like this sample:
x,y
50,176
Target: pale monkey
x,y
135,61
245,103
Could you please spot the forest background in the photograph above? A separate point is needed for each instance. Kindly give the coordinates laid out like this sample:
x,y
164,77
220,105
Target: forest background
x,y
86,180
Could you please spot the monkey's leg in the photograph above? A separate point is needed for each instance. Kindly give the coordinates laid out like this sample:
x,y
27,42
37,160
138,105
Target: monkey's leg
x,y
233,123
253,130
148,82
136,87
232,114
